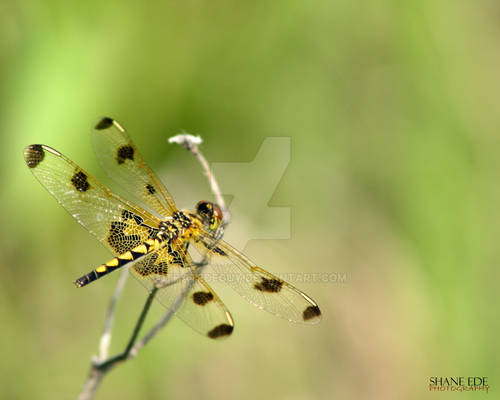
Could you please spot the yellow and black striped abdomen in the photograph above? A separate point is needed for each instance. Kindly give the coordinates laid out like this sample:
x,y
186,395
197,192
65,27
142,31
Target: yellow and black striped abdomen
x,y
173,236
139,251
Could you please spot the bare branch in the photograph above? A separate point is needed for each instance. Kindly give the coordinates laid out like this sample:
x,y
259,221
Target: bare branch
x,y
91,384
98,369
109,363
105,340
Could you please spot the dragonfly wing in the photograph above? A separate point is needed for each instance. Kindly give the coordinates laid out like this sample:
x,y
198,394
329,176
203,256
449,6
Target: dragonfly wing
x,y
258,286
120,159
118,224
181,286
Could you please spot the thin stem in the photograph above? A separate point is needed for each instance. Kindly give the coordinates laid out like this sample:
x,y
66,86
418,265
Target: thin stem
x,y
191,143
105,340
214,186
91,384
126,353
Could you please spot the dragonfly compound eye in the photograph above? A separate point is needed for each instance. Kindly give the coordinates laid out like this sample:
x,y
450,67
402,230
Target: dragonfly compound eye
x,y
210,213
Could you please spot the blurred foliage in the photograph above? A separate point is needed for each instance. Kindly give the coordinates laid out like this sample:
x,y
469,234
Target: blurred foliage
x,y
391,108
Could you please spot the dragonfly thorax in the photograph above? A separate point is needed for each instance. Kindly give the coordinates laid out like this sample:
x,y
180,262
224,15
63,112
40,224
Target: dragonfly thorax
x,y
180,226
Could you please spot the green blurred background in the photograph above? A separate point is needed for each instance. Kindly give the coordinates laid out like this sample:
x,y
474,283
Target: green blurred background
x,y
391,108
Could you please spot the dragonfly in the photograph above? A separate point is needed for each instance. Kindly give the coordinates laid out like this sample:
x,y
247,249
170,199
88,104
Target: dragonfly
x,y
154,243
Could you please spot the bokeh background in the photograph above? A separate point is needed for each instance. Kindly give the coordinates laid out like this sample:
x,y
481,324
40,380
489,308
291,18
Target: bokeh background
x,y
393,182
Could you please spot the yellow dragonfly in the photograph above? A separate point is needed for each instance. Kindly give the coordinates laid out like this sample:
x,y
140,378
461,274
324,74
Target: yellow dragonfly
x,y
154,244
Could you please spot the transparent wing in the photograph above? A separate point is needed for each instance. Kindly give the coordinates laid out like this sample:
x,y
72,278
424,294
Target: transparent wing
x,y
116,223
178,281
256,285
120,159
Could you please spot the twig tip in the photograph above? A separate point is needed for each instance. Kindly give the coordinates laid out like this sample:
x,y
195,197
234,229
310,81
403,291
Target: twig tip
x,y
186,140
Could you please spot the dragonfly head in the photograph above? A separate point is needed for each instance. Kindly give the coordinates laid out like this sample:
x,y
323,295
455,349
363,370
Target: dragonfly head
x,y
210,214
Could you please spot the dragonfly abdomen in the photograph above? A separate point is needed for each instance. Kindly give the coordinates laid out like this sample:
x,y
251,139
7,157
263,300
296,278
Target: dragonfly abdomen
x,y
118,262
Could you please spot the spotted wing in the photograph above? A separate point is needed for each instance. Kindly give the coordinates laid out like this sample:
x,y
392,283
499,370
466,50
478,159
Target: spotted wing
x,y
119,157
259,287
181,286
116,223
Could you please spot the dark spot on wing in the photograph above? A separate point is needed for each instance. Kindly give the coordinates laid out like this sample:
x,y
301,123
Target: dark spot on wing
x,y
79,181
311,312
104,123
219,251
151,189
202,298
220,331
269,285
125,152
33,155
